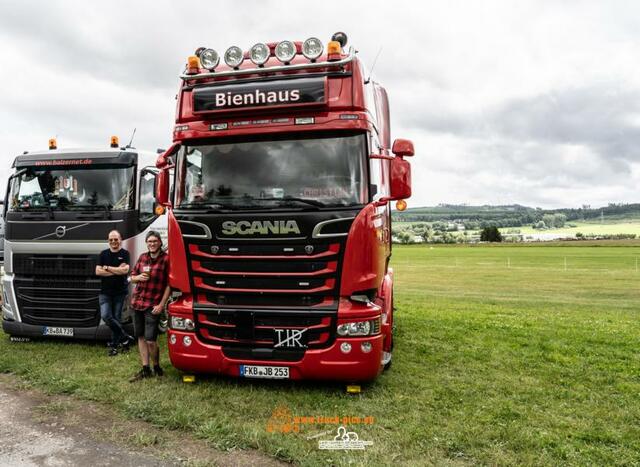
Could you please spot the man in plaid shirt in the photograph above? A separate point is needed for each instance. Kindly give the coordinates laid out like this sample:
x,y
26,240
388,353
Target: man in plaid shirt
x,y
151,276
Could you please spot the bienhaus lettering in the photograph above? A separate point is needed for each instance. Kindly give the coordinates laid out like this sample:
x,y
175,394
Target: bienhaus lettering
x,y
257,97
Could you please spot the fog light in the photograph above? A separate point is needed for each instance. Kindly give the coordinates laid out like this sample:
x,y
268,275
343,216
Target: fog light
x,y
259,54
285,51
366,347
234,56
312,48
345,347
186,340
209,59
173,339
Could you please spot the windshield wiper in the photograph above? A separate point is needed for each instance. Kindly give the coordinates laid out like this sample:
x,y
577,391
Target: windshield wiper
x,y
208,206
311,202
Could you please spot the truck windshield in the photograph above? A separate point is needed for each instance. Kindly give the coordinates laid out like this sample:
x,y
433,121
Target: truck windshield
x,y
306,172
106,187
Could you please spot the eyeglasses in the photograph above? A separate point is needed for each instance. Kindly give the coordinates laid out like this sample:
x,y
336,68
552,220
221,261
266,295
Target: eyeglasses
x,y
153,241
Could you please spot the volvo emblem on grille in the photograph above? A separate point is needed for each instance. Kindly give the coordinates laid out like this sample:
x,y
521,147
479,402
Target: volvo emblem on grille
x,y
215,249
61,230
308,249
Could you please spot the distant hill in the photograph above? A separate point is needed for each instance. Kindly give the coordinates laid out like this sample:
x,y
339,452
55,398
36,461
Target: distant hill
x,y
514,215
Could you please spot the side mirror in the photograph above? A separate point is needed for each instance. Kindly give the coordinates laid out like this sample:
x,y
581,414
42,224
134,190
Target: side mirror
x,y
162,187
400,179
164,163
402,148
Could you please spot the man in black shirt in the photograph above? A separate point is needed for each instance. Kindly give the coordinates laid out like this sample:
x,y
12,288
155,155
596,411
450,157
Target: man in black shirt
x,y
112,268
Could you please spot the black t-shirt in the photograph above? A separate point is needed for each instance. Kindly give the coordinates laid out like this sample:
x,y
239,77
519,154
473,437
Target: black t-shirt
x,y
114,285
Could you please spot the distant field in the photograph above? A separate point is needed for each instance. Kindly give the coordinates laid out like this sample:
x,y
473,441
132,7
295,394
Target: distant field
x,y
587,228
595,228
505,355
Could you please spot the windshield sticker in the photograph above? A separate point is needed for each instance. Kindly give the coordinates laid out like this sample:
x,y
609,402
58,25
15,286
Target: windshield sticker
x,y
64,162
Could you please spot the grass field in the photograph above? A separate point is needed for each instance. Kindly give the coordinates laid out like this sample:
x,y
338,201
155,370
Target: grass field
x,y
509,355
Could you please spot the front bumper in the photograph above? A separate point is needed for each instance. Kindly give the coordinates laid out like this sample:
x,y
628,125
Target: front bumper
x,y
323,364
101,332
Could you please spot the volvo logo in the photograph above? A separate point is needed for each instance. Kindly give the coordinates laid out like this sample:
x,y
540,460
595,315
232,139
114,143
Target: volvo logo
x,y
260,227
215,249
61,230
308,249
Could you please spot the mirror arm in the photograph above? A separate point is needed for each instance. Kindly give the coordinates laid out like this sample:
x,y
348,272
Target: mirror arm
x,y
382,201
381,156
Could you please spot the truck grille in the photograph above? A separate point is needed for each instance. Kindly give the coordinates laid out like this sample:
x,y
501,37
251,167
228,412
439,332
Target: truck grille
x,y
251,329
57,290
244,293
284,276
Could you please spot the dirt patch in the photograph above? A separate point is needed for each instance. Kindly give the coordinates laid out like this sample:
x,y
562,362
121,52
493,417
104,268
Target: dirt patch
x,y
39,429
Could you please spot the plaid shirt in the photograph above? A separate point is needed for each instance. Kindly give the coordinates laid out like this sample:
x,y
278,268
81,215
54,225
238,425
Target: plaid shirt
x,y
149,294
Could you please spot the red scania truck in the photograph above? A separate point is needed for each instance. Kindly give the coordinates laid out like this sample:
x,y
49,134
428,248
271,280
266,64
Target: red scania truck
x,y
279,216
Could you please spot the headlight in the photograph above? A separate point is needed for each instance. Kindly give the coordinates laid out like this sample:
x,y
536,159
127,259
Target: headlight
x,y
209,59
259,54
359,328
234,56
312,48
182,324
285,51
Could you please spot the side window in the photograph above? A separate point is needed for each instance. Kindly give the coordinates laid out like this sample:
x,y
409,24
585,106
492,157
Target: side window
x,y
377,173
147,196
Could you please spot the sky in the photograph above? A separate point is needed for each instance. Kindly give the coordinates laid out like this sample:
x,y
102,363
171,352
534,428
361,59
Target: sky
x,y
535,103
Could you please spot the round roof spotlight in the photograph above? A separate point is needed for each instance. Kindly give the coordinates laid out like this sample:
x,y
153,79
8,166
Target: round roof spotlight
x,y
285,51
209,58
234,56
312,48
340,37
259,54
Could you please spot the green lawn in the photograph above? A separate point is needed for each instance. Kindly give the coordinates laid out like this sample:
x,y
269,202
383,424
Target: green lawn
x,y
525,354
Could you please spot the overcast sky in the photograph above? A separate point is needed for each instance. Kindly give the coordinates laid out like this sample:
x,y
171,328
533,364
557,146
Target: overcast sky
x,y
536,103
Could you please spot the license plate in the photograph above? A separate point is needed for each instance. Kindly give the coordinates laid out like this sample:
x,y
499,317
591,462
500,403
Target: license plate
x,y
270,372
54,331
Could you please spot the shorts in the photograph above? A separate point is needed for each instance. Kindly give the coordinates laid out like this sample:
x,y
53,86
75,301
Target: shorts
x,y
145,324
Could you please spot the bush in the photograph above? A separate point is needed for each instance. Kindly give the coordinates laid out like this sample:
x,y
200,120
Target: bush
x,y
490,234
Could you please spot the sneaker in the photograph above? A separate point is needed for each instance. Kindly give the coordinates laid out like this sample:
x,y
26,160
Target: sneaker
x,y
158,371
145,372
112,352
126,342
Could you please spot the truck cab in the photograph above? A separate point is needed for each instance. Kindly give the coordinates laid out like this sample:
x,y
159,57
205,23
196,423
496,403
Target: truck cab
x,y
60,206
279,223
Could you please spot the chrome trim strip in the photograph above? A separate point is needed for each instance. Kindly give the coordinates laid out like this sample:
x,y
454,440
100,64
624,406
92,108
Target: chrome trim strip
x,y
261,71
65,222
65,231
320,225
205,227
261,239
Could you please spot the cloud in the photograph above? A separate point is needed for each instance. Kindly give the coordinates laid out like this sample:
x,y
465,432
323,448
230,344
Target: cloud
x,y
530,102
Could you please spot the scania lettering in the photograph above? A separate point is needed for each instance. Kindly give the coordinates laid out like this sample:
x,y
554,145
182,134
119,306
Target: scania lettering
x,y
60,206
259,227
279,223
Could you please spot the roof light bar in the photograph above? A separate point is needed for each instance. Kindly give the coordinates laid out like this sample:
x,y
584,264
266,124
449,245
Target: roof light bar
x,y
263,70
